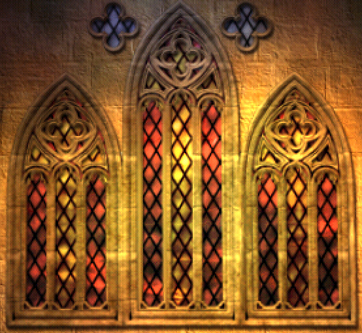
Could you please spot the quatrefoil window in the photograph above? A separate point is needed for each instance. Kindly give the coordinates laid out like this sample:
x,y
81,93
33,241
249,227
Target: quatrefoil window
x,y
113,27
246,27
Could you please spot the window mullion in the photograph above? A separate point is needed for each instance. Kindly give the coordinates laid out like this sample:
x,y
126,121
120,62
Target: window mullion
x,y
197,207
252,249
313,242
80,246
283,241
167,204
343,240
51,252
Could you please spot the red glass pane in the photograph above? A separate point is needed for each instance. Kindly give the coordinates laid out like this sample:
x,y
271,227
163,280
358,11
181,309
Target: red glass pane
x,y
211,204
297,271
36,242
268,241
181,187
96,242
327,242
66,188
152,205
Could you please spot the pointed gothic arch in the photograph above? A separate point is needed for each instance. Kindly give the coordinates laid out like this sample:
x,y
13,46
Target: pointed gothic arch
x,y
180,79
299,207
61,210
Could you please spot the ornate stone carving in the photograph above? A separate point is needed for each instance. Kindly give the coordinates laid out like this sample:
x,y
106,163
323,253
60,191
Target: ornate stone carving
x,y
66,132
179,57
296,133
180,60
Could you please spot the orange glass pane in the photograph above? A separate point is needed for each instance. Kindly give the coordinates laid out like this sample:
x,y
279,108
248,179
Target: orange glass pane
x,y
152,205
66,188
268,241
181,187
36,242
297,270
96,242
211,203
328,291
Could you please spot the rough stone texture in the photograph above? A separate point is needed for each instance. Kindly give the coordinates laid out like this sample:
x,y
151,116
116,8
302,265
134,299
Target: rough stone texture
x,y
42,39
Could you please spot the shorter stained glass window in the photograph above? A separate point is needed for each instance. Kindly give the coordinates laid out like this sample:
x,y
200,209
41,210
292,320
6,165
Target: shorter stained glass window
x,y
296,170
66,269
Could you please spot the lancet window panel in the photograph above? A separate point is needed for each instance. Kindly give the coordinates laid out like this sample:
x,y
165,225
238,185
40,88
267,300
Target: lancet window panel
x,y
36,239
211,126
63,180
297,210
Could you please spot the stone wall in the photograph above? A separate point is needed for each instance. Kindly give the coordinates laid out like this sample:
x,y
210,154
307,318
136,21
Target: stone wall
x,y
42,39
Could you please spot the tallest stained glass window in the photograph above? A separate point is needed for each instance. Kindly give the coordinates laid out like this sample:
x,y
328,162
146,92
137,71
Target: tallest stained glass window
x,y
182,156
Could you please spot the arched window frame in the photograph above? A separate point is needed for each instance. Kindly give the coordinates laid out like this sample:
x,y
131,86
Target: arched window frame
x,y
19,313
342,175
132,147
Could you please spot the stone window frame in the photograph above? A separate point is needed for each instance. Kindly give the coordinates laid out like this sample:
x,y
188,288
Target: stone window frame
x,y
313,314
132,145
19,313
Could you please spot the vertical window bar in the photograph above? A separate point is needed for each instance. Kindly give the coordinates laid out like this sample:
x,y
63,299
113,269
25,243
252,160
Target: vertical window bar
x,y
297,245
211,205
96,241
181,188
152,205
36,241
328,293
268,241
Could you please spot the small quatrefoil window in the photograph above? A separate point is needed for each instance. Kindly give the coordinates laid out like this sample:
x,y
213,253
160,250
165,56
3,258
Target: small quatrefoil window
x,y
246,27
113,27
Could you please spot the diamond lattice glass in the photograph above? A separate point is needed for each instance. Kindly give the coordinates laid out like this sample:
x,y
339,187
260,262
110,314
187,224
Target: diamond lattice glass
x,y
268,240
96,242
181,186
211,203
297,270
327,243
36,241
66,188
152,205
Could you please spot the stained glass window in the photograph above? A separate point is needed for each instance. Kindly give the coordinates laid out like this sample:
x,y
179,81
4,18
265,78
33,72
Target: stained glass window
x,y
66,146
296,203
113,27
246,27
189,237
